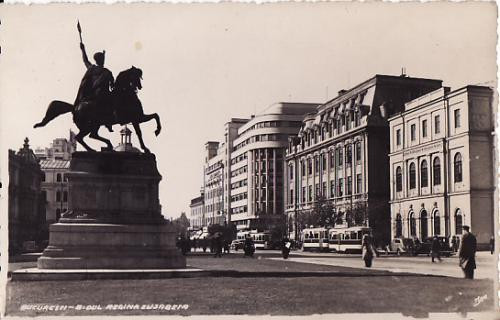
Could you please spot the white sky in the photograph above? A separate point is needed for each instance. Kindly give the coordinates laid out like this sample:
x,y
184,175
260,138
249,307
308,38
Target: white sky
x,y
206,63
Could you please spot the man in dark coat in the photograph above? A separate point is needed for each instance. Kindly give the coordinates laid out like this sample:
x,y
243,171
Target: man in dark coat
x,y
467,253
436,249
96,85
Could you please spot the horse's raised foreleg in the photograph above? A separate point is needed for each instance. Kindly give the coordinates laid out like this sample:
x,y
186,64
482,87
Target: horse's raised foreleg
x,y
55,109
147,117
94,135
79,138
138,131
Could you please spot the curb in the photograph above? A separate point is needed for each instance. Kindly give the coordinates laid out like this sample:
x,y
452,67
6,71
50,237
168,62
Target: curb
x,y
34,274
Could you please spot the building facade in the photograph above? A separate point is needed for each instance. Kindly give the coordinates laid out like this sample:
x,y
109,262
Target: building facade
x,y
257,165
26,200
442,165
54,162
341,154
196,212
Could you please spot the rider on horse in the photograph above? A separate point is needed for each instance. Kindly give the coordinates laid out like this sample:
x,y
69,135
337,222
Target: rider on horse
x,y
95,86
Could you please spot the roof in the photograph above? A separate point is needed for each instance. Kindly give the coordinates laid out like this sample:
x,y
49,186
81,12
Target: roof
x,y
54,164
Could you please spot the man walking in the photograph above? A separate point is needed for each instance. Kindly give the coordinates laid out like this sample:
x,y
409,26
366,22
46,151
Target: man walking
x,y
467,253
436,249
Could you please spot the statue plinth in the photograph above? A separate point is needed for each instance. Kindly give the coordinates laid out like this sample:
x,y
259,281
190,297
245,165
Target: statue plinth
x,y
114,219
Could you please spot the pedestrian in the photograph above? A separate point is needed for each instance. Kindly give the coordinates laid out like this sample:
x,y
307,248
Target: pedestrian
x,y
436,249
454,243
467,253
492,244
249,246
367,250
285,250
218,245
226,246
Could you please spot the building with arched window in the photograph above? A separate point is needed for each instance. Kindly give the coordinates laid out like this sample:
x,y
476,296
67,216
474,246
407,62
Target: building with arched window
x,y
350,131
441,164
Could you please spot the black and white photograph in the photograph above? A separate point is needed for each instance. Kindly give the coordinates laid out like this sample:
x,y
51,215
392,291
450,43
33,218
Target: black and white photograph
x,y
325,160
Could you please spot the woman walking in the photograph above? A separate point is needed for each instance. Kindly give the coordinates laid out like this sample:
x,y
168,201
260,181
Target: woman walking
x,y
367,250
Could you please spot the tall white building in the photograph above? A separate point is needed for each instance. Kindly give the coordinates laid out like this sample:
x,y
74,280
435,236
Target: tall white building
x,y
442,165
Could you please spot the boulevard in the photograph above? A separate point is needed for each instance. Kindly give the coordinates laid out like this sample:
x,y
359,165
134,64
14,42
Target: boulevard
x,y
421,289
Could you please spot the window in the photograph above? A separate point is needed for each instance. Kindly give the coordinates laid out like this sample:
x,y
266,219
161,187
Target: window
x,y
398,137
303,168
332,159
316,164
357,117
399,180
358,151
437,223
412,176
332,189
436,172
457,167
424,128
413,224
290,168
323,192
399,226
303,194
65,196
43,176
310,193
340,187
413,132
358,183
424,181
348,155
458,222
309,167
340,156
58,196
437,124
423,225
58,177
457,118
349,185
323,161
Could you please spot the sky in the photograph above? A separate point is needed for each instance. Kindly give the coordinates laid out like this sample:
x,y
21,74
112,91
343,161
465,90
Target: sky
x,y
206,63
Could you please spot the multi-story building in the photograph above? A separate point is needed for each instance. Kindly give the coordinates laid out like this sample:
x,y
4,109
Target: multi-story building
x,y
257,165
341,153
441,165
26,200
196,214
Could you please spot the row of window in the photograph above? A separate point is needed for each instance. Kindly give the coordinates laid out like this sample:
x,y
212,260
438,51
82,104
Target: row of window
x,y
349,120
437,127
337,155
239,197
64,196
60,177
260,138
213,207
336,190
273,124
238,184
436,221
239,158
241,209
424,173
238,171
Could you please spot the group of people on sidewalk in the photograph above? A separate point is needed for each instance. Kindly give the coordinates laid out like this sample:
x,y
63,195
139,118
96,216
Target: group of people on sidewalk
x,y
466,251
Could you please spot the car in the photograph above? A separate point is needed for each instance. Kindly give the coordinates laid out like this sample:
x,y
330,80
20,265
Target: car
x,y
445,248
237,244
402,246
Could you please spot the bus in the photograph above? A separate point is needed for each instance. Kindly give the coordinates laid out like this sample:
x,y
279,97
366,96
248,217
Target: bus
x,y
314,239
347,240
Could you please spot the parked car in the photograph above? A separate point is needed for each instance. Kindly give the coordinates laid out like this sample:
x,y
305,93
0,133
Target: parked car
x,y
237,244
445,248
402,246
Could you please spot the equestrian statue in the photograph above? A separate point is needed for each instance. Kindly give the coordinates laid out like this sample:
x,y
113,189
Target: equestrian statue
x,y
103,101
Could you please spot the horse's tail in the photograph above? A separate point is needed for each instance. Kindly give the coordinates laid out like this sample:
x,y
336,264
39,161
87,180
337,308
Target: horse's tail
x,y
55,109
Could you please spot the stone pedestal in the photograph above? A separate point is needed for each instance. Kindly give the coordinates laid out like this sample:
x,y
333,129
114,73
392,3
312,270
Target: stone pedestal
x,y
114,219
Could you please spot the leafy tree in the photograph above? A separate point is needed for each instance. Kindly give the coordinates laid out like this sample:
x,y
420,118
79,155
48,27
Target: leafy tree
x,y
181,224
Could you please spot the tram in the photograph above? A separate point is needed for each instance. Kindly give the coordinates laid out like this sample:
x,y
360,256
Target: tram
x,y
347,239
314,239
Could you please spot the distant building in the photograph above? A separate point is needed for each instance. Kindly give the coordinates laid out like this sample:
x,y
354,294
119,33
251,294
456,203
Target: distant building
x,y
341,153
54,162
196,214
125,144
442,170
26,200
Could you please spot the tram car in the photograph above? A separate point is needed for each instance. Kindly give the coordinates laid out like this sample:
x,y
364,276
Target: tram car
x,y
314,239
347,240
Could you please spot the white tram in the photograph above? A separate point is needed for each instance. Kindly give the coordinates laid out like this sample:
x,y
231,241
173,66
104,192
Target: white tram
x,y
347,239
314,239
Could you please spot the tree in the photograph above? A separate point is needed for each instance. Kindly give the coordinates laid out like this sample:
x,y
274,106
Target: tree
x,y
181,224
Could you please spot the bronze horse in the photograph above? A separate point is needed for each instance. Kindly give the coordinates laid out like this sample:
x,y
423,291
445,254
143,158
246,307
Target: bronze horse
x,y
125,107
